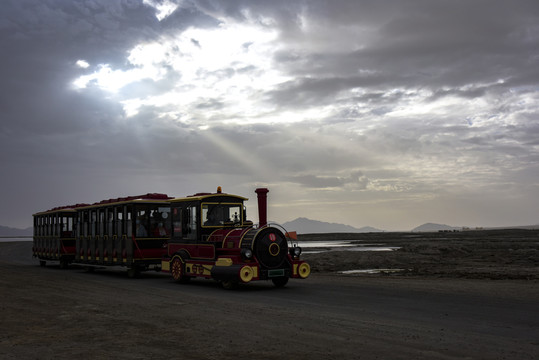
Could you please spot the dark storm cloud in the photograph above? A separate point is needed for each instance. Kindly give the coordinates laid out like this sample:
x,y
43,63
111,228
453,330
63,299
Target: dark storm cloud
x,y
95,31
355,180
42,116
410,45
41,42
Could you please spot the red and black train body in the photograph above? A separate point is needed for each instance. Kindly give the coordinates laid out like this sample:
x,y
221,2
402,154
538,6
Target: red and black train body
x,y
203,235
54,235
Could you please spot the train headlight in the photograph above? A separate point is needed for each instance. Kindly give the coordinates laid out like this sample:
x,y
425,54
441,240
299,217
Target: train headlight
x,y
295,251
246,254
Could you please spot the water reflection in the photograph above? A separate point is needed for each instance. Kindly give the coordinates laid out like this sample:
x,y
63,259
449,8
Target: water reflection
x,y
313,247
370,271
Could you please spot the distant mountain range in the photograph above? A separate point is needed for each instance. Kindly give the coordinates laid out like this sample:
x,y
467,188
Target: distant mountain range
x,y
307,226
428,227
8,231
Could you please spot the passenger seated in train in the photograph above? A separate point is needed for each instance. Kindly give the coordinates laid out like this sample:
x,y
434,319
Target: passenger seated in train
x,y
160,230
141,229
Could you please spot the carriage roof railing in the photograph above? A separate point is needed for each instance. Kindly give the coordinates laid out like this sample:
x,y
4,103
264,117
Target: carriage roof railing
x,y
148,196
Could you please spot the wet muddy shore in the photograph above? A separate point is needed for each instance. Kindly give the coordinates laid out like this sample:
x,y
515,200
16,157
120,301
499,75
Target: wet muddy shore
x,y
478,254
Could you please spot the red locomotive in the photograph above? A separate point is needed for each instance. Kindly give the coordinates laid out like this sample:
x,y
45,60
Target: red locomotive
x,y
212,238
203,235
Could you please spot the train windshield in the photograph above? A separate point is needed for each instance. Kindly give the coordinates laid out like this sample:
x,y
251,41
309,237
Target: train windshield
x,y
221,214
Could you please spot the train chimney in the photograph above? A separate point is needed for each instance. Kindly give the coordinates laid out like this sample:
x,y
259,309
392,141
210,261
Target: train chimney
x,y
262,206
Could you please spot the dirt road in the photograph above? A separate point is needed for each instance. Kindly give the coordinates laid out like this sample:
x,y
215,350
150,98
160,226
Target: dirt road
x,y
52,313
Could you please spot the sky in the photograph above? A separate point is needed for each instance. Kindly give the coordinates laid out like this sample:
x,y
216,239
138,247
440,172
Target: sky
x,y
387,114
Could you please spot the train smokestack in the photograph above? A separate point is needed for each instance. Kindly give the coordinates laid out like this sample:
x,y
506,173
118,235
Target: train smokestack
x,y
262,206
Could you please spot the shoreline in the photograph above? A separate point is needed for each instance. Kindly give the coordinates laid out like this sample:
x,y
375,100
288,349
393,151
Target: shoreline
x,y
480,254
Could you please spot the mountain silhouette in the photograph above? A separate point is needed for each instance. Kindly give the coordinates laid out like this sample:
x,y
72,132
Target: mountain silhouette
x,y
434,227
303,225
9,231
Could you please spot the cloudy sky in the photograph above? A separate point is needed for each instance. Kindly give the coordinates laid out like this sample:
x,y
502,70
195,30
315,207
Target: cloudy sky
x,y
369,113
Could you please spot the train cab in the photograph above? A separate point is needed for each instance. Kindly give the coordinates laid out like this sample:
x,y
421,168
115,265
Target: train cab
x,y
196,218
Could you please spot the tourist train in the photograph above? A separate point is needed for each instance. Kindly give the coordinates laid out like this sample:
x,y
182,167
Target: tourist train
x,y
203,235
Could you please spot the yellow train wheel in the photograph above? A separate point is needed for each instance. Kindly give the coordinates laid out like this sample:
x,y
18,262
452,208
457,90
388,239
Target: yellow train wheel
x,y
177,269
304,270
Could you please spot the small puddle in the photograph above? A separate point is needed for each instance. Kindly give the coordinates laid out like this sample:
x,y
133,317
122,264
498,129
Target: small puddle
x,y
370,271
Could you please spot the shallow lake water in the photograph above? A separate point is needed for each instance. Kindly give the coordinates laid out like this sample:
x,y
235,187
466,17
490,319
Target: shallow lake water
x,y
312,247
308,247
